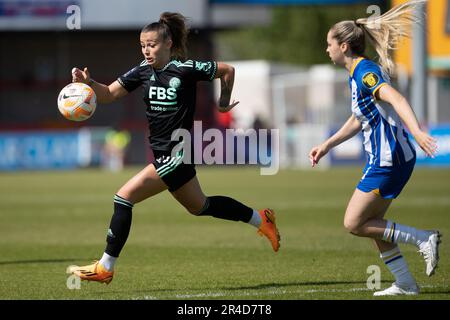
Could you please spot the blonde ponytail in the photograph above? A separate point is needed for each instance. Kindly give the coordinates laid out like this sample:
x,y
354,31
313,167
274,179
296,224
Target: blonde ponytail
x,y
384,32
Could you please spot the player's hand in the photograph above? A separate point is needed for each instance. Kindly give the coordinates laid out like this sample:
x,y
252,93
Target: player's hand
x,y
317,153
81,76
427,143
229,107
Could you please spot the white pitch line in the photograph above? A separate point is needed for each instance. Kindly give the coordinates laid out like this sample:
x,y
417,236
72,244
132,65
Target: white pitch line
x,y
265,293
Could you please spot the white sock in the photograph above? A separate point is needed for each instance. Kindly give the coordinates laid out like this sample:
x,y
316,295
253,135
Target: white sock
x,y
398,233
256,219
108,261
398,267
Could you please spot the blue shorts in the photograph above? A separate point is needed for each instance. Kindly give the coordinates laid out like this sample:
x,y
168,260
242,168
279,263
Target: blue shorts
x,y
388,182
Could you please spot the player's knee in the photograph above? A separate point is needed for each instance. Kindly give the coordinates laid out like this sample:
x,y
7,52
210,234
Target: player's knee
x,y
194,210
352,226
197,208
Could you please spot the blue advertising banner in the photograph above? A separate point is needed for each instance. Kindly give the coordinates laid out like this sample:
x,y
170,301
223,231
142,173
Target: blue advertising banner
x,y
442,159
43,150
299,2
352,151
35,8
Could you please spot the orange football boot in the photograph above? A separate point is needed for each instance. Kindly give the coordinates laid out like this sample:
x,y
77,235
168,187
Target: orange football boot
x,y
93,272
268,228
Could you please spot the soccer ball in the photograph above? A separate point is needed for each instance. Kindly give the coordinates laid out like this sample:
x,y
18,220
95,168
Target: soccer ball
x,y
77,101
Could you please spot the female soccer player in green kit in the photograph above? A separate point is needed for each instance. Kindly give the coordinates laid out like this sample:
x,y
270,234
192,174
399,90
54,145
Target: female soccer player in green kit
x,y
169,86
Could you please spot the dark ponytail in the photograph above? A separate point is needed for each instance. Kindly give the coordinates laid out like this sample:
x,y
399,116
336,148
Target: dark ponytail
x,y
172,26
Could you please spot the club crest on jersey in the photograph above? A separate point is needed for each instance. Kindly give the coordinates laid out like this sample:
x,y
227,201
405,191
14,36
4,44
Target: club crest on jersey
x,y
175,83
370,80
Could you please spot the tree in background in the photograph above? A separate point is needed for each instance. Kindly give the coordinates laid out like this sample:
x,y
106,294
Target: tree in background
x,y
296,35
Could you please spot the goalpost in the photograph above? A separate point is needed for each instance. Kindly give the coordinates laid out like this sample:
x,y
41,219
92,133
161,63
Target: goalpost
x,y
307,107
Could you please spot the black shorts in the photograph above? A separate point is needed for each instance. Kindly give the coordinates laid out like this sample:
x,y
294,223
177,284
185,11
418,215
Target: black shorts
x,y
172,170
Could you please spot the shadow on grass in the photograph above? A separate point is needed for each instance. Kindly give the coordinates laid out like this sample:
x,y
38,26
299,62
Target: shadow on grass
x,y
444,291
292,284
437,290
3,263
255,287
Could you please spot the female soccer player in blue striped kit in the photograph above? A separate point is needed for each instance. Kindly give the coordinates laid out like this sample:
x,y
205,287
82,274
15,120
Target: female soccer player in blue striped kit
x,y
390,154
169,83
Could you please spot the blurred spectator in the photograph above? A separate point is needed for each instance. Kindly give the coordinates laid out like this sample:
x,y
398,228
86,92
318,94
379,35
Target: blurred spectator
x,y
114,148
224,120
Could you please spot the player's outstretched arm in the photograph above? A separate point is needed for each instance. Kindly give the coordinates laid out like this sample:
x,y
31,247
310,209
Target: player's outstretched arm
x,y
226,74
405,112
104,93
351,127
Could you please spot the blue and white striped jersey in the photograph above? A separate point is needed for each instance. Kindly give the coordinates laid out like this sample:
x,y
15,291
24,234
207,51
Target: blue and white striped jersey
x,y
385,140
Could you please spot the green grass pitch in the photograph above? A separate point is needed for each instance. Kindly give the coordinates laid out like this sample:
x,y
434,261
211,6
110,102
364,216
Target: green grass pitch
x,y
50,220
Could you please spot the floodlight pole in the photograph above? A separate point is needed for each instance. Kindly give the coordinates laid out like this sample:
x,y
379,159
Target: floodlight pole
x,y
419,74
